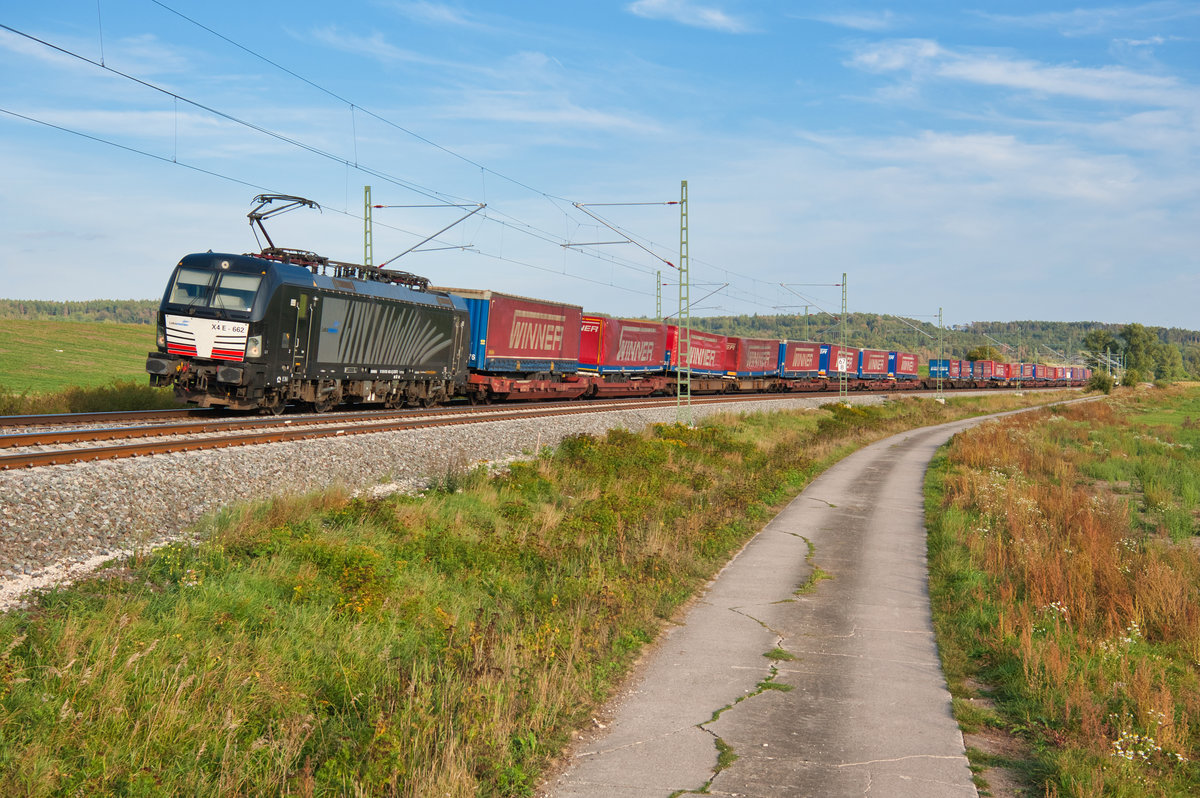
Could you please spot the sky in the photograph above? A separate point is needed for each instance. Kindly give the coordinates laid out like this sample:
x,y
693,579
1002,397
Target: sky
x,y
995,161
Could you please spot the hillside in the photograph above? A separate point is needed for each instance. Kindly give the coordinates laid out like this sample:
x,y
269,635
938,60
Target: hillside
x,y
41,357
1170,352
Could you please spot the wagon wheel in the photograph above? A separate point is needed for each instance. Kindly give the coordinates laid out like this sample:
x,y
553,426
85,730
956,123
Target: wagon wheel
x,y
272,405
327,402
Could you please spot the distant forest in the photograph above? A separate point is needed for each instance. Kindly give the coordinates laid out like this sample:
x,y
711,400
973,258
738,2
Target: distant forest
x,y
124,311
1164,352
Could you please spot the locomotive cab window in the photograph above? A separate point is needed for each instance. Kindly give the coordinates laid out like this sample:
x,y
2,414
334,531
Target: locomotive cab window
x,y
236,291
191,287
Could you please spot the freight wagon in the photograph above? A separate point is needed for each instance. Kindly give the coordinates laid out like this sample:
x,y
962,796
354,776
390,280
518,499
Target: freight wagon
x,y
799,360
872,365
521,347
753,362
903,366
705,355
626,357
837,360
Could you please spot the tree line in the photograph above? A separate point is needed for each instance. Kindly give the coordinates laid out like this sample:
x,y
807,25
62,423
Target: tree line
x,y
124,311
1166,353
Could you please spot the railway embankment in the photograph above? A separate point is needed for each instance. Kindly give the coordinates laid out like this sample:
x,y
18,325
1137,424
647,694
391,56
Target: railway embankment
x,y
442,643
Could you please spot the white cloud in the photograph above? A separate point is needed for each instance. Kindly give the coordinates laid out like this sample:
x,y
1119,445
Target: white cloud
x,y
25,47
1105,84
374,46
436,14
897,55
924,58
687,12
1102,20
873,21
546,108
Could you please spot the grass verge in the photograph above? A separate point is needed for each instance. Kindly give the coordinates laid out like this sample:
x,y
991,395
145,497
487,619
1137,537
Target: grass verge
x,y
45,357
1066,588
446,644
117,395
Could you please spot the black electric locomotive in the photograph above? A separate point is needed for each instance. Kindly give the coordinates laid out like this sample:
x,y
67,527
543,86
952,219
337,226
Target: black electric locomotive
x,y
260,331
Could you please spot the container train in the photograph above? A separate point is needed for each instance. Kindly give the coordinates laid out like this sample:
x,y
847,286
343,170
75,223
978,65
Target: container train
x,y
260,332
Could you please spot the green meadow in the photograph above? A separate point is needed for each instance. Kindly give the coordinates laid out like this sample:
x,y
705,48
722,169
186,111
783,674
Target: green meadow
x,y
66,366
42,357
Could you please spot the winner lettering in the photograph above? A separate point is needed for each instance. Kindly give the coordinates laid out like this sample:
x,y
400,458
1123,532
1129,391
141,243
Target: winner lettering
x,y
541,332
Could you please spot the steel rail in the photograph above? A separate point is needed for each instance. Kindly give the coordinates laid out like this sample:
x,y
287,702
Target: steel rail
x,y
59,437
88,454
290,429
324,426
54,437
59,419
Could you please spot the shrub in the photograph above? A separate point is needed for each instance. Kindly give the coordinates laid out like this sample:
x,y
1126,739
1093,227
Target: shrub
x,y
1101,381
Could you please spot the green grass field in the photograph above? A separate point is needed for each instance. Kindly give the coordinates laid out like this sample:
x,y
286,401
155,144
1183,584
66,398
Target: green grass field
x,y
41,357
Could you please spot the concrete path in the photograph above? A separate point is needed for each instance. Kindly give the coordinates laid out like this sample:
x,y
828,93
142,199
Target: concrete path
x,y
868,712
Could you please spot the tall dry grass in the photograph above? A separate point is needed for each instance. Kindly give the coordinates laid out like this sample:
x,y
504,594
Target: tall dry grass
x,y
1092,623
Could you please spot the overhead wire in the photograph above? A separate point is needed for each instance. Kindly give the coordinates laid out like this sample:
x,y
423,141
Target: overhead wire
x,y
494,216
483,168
515,224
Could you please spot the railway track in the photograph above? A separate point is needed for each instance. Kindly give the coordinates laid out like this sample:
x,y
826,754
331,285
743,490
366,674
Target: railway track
x,y
142,434
85,437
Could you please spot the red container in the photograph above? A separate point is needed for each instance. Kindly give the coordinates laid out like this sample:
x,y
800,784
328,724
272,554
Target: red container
x,y
751,357
1000,371
984,369
610,345
707,354
801,359
872,364
955,369
838,360
908,366
512,333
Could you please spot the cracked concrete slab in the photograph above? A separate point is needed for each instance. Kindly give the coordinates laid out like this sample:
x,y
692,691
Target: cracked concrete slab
x,y
869,713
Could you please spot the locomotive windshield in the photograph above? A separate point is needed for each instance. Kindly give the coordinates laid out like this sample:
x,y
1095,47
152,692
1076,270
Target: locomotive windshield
x,y
220,290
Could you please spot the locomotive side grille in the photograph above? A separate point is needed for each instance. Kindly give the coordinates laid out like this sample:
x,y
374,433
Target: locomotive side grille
x,y
375,334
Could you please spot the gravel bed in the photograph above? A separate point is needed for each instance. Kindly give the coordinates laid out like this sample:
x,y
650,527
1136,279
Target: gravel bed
x,y
59,522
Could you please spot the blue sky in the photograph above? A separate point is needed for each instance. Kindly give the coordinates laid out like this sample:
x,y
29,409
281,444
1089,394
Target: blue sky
x,y
1002,161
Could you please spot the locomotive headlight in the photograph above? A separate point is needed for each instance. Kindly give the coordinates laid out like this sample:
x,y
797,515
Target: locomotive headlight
x,y
254,346
162,336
